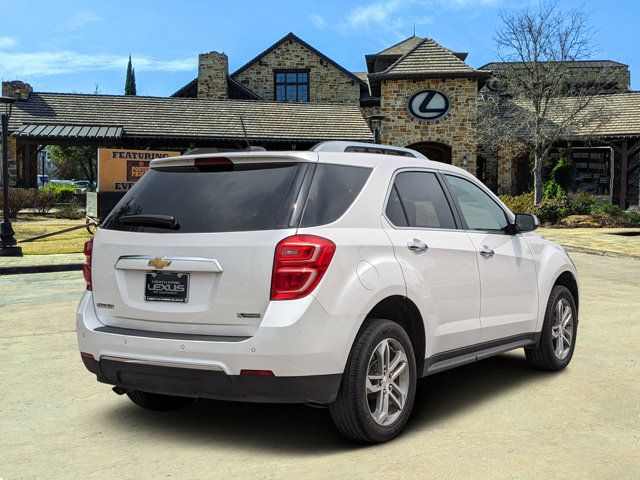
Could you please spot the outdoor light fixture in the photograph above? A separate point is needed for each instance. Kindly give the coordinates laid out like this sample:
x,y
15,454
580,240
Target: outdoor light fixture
x,y
375,121
8,247
465,161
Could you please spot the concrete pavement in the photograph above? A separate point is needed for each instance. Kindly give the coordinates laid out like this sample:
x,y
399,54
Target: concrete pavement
x,y
493,419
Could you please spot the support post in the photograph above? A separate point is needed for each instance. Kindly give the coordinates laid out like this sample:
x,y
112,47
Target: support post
x,y
8,242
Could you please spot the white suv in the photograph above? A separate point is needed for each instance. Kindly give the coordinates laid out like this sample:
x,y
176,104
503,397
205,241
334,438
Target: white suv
x,y
327,277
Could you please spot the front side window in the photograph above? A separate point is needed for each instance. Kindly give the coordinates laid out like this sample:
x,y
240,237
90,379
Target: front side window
x,y
479,210
418,200
292,86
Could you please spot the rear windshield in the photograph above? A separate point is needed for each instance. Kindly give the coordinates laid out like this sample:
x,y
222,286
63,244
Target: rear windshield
x,y
230,198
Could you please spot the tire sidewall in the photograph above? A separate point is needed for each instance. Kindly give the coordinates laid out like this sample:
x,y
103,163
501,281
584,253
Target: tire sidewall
x,y
377,432
558,293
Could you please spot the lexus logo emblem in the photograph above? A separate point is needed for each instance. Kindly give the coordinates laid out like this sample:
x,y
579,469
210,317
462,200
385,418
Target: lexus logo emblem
x,y
428,105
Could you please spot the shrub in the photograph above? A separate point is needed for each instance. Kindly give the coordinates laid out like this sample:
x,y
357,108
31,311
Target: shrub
x,y
579,203
607,208
19,199
519,203
551,210
71,210
44,200
62,193
552,189
631,218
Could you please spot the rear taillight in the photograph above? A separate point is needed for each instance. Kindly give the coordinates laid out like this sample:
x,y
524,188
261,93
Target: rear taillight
x,y
86,268
298,266
208,161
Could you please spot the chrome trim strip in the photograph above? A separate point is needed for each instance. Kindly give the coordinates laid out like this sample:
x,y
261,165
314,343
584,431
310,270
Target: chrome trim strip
x,y
158,363
216,267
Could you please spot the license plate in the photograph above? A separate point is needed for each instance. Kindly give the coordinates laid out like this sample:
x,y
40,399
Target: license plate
x,y
166,287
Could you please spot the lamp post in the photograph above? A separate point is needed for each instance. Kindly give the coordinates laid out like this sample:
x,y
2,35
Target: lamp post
x,y
8,247
376,125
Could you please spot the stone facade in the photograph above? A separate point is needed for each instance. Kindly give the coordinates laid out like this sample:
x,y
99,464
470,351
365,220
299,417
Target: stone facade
x,y
457,130
327,83
213,69
16,89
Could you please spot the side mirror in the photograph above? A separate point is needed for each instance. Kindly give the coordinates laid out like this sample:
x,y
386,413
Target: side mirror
x,y
526,222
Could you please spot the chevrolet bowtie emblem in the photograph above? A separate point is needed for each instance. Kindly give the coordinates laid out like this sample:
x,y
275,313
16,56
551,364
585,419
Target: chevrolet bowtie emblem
x,y
159,263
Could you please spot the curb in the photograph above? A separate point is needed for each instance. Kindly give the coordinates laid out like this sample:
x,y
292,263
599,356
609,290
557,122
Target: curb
x,y
62,267
600,253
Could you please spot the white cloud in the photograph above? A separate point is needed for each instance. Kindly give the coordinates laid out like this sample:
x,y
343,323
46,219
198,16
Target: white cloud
x,y
7,42
77,21
318,21
377,13
13,65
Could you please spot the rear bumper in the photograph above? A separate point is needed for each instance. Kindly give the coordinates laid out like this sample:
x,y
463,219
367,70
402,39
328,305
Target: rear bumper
x,y
214,384
303,346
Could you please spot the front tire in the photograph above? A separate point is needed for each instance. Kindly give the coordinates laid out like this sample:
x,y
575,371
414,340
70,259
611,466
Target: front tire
x,y
558,337
158,402
379,384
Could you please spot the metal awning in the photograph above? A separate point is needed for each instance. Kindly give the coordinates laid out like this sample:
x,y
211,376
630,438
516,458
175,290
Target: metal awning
x,y
69,131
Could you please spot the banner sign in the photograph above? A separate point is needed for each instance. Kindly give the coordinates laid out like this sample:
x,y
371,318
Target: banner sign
x,y
119,170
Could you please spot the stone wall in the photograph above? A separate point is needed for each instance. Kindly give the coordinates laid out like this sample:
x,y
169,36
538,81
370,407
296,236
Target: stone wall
x,y
458,129
213,69
11,155
327,84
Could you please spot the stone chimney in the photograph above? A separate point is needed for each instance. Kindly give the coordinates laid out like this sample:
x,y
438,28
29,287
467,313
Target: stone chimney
x,y
16,89
213,68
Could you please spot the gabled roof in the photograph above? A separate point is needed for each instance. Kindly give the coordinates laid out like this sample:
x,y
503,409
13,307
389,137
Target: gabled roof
x,y
292,37
190,118
401,48
429,59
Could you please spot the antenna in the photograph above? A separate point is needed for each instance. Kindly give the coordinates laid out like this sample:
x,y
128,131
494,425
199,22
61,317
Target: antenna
x,y
414,29
246,138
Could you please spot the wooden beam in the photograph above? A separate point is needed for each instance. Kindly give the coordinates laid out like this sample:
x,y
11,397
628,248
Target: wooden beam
x,y
624,160
633,148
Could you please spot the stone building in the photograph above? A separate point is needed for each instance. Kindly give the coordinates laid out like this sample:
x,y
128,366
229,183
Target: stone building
x,y
416,93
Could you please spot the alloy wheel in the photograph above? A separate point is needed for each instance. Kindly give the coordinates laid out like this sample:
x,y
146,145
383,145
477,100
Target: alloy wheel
x,y
562,329
387,381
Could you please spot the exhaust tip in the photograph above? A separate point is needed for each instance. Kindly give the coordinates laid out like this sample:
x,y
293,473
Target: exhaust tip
x,y
119,390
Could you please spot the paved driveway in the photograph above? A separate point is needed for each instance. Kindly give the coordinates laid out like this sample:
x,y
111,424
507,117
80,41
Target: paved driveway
x,y
493,419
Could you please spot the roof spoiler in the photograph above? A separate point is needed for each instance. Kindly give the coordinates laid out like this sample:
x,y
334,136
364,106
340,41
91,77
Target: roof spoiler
x,y
205,150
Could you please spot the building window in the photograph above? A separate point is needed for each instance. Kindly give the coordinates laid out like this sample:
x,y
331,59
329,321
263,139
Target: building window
x,y
292,86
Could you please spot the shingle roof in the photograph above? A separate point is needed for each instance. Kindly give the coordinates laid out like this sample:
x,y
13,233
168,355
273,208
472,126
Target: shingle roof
x,y
610,115
176,117
428,58
573,64
402,47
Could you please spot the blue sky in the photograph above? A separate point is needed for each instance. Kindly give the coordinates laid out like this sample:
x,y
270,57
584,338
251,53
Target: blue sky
x,y
74,45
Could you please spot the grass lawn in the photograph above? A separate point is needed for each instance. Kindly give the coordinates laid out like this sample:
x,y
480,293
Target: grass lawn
x,y
31,226
598,239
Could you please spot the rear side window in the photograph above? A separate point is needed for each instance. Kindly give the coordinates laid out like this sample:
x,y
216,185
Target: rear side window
x,y
229,198
418,200
332,191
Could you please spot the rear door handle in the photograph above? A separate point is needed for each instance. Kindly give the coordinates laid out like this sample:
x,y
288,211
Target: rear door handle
x,y
417,246
487,252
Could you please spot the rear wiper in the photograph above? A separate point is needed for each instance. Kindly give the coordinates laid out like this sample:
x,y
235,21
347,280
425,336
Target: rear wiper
x,y
158,221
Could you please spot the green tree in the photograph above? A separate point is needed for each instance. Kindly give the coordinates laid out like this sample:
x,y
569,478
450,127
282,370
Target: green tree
x,y
130,82
74,162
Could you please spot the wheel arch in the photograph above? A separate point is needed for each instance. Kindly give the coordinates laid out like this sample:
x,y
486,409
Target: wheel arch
x,y
404,312
568,280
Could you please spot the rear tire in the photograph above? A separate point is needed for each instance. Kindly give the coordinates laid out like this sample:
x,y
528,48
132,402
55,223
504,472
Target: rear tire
x,y
379,384
158,402
558,337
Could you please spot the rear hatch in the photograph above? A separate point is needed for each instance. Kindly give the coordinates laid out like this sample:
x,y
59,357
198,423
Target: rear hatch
x,y
189,249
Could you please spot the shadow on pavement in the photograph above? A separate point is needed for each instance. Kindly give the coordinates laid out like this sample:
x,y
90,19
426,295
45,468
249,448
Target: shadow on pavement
x,y
302,430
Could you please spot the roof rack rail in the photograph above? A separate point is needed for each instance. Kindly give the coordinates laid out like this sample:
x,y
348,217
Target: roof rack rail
x,y
205,150
360,147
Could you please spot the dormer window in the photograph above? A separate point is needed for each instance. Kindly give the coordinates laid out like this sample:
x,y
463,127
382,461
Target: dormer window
x,y
291,85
